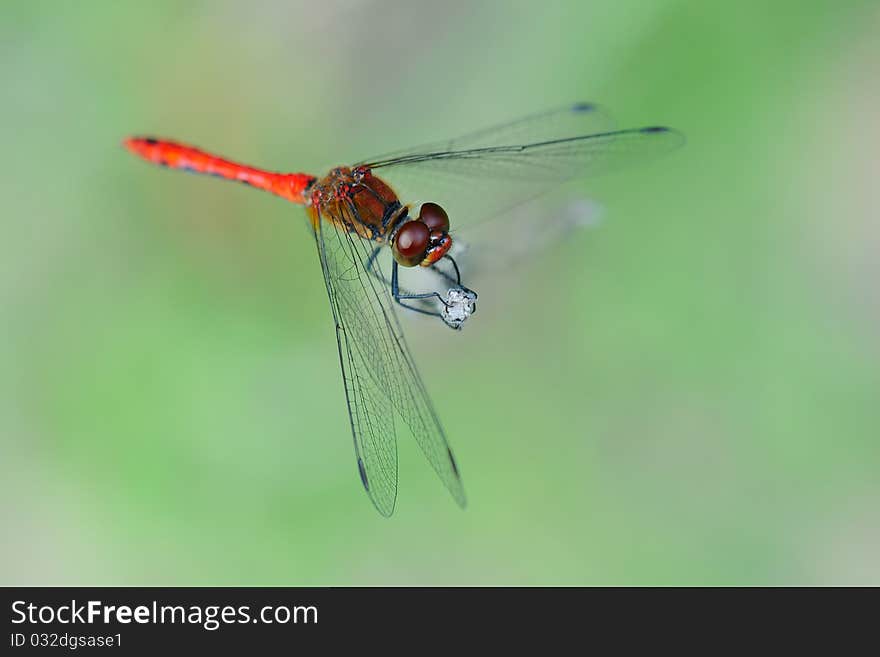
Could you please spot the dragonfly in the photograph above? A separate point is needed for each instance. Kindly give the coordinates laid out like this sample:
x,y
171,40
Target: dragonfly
x,y
379,217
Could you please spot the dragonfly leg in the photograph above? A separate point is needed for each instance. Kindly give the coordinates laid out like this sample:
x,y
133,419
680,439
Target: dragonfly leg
x,y
446,276
401,299
396,292
376,273
458,304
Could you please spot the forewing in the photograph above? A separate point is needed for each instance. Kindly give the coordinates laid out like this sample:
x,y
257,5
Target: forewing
x,y
481,175
567,121
477,184
378,371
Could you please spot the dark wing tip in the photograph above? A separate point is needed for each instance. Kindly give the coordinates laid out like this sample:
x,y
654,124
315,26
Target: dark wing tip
x,y
382,505
584,107
594,112
453,463
457,491
673,137
363,473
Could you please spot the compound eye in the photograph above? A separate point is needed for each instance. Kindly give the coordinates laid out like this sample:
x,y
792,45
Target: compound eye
x,y
434,217
411,243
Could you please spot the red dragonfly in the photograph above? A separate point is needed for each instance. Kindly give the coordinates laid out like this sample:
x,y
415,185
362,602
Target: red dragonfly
x,y
357,216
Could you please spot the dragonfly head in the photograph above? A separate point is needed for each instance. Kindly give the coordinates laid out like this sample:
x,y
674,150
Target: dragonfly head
x,y
423,240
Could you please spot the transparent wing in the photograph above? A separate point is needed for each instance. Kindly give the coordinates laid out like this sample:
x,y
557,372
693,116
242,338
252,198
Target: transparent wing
x,y
528,231
378,372
568,121
481,175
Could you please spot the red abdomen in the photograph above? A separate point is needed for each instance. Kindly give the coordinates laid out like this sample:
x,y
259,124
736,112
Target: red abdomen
x,y
188,158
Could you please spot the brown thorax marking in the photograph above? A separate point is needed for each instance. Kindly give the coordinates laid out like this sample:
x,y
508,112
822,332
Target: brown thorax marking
x,y
357,201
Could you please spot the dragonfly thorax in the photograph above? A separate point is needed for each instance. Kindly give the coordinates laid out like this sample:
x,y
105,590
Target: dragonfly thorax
x,y
357,201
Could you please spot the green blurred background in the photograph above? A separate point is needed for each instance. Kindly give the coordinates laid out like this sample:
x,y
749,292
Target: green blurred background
x,y
696,401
